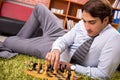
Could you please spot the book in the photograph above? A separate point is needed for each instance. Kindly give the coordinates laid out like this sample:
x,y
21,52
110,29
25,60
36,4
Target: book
x,y
70,24
79,13
116,16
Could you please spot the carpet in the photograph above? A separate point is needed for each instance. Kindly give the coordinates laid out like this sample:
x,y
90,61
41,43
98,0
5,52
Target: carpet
x,y
13,69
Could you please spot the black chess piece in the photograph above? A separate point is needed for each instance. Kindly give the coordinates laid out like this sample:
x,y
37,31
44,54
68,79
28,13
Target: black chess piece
x,y
69,75
62,68
40,68
49,67
34,66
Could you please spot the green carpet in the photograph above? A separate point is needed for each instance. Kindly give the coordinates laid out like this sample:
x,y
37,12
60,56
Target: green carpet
x,y
13,69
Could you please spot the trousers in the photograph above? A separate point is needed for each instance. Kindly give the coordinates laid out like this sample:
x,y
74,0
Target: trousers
x,y
38,33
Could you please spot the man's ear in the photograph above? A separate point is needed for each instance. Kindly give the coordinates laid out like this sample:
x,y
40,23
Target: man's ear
x,y
106,20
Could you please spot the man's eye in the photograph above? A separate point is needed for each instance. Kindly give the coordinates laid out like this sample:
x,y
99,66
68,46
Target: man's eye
x,y
92,22
84,21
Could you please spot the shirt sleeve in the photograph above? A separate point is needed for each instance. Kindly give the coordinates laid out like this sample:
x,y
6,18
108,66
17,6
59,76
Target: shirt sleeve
x,y
108,61
68,39
63,42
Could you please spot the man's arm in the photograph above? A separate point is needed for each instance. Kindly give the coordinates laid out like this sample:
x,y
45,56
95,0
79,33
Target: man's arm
x,y
64,42
108,61
59,46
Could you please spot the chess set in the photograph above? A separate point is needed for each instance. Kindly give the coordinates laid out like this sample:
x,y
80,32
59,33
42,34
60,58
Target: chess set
x,y
46,72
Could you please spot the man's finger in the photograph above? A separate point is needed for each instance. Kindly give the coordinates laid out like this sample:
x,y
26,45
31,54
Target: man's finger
x,y
56,64
53,59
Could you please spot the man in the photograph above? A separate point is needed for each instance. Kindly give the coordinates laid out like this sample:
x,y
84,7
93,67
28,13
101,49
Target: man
x,y
104,54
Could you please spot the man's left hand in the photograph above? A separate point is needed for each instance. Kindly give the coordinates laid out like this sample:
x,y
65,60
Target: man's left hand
x,y
64,65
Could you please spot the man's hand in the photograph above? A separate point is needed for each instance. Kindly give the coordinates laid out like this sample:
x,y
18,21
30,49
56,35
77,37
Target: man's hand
x,y
64,65
53,58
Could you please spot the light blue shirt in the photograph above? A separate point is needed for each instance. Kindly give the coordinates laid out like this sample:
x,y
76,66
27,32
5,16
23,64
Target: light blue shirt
x,y
99,61
73,39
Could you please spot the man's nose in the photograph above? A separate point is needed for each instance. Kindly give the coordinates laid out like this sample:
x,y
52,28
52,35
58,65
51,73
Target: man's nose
x,y
87,26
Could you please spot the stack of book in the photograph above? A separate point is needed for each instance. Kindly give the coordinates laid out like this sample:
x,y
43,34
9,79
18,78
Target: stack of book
x,y
70,24
116,11
116,16
58,11
79,13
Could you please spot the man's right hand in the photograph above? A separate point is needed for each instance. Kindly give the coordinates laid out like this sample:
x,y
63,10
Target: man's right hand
x,y
53,58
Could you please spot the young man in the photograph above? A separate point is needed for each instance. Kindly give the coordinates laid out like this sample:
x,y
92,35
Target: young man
x,y
103,57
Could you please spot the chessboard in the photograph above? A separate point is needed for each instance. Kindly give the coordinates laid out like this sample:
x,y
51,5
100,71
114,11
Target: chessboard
x,y
46,72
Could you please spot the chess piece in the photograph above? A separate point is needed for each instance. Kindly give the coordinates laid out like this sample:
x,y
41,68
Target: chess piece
x,y
40,68
55,71
72,68
30,66
69,75
72,75
34,66
45,69
65,73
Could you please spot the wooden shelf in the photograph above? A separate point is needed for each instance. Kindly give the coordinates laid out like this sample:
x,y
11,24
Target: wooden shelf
x,y
115,25
114,9
59,4
69,10
73,17
73,8
62,15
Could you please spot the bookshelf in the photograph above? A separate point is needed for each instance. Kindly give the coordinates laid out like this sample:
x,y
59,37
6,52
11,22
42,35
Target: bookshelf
x,y
116,13
67,10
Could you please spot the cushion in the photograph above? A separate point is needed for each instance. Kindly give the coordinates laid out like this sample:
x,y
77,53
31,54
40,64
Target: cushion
x,y
10,26
15,11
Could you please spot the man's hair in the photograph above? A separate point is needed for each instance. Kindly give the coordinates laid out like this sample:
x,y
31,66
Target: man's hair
x,y
99,8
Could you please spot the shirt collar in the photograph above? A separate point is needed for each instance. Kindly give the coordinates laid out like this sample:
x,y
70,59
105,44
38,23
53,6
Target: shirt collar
x,y
107,27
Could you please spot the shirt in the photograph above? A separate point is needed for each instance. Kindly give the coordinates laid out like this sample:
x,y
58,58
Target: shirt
x,y
68,43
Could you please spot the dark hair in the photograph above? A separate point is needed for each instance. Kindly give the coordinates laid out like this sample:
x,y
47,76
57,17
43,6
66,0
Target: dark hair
x,y
99,8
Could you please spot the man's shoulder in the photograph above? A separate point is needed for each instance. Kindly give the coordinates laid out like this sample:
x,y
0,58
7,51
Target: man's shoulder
x,y
79,26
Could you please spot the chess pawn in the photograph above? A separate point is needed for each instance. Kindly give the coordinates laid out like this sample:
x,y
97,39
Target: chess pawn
x,y
37,67
72,68
55,71
30,66
45,70
69,75
72,75
40,70
66,73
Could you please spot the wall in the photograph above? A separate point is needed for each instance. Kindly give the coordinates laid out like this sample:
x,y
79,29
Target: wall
x,y
46,2
33,2
80,1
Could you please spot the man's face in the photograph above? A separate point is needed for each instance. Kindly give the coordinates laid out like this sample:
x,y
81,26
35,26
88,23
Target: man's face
x,y
93,25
